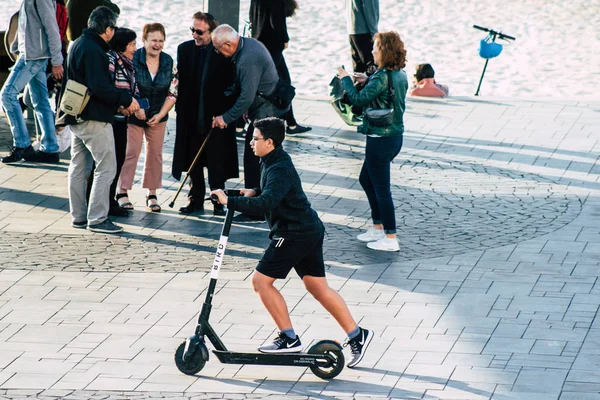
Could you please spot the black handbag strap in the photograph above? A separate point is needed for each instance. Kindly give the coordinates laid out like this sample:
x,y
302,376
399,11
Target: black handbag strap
x,y
391,90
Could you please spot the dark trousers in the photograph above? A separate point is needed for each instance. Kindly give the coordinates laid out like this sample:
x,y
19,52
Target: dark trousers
x,y
251,162
198,186
120,135
361,47
375,179
284,74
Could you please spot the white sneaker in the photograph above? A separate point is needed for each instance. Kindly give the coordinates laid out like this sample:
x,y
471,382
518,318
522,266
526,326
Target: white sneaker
x,y
384,244
371,235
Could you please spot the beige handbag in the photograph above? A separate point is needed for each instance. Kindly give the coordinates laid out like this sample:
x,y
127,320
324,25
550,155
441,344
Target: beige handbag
x,y
74,98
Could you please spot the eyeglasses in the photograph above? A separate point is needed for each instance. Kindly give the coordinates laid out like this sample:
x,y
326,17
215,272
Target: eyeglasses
x,y
256,139
198,32
218,49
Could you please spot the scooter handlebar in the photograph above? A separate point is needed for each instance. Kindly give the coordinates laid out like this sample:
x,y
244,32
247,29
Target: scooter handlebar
x,y
228,192
493,32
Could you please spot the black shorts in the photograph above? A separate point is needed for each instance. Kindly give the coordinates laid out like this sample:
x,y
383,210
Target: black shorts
x,y
305,255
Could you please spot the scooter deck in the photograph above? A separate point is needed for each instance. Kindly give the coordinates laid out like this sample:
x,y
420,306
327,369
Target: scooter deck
x,y
288,359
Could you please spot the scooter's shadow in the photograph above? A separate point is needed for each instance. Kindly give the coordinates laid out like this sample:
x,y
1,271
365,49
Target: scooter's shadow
x,y
314,388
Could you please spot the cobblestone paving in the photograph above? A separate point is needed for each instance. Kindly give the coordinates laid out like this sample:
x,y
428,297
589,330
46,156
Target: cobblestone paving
x,y
495,294
445,205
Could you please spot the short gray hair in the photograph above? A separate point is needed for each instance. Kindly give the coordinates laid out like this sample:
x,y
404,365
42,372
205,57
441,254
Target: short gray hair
x,y
100,19
224,33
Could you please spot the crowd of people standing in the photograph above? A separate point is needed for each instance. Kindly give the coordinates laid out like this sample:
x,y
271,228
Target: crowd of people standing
x,y
217,79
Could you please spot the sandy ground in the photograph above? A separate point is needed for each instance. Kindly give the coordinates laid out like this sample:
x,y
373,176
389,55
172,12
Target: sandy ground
x,y
555,54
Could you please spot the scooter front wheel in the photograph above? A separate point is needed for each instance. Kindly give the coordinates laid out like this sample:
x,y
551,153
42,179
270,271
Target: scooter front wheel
x,y
194,363
333,350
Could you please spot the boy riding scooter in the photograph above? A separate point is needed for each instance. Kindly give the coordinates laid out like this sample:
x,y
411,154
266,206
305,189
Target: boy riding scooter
x,y
296,236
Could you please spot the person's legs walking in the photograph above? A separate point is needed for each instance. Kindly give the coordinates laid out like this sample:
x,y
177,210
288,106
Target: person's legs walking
x,y
79,171
375,232
361,47
152,175
135,136
380,153
45,116
120,137
288,117
99,140
19,77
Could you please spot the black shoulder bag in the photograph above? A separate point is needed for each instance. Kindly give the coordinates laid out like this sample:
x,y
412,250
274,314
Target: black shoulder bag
x,y
282,95
382,117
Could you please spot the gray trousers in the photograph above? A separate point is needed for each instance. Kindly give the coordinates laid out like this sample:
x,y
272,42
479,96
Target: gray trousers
x,y
92,142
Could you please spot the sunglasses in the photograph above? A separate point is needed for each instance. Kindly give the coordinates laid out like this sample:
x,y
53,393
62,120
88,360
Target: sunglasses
x,y
198,32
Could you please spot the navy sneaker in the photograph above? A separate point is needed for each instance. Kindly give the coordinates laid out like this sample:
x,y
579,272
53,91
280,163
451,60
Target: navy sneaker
x,y
79,224
359,345
282,344
105,226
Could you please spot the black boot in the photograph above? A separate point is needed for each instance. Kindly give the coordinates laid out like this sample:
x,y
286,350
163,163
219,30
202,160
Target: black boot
x,y
193,205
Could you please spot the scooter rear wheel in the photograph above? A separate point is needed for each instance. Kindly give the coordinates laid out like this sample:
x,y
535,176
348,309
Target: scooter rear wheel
x,y
194,364
332,350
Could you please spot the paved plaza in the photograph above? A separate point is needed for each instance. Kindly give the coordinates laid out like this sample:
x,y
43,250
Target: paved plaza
x,y
494,294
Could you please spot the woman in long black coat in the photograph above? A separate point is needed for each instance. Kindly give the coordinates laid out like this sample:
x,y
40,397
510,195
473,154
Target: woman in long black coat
x,y
204,77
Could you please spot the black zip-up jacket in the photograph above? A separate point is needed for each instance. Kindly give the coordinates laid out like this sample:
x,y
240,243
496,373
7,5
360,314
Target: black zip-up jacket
x,y
281,198
87,63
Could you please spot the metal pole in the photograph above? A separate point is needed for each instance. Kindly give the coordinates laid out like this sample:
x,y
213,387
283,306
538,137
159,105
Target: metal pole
x,y
226,12
481,79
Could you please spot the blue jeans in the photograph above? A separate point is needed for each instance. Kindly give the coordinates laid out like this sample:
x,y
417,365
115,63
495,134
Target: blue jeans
x,y
375,179
30,73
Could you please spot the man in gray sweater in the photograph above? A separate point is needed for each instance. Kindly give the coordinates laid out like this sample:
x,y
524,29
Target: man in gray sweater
x,y
37,41
362,20
255,76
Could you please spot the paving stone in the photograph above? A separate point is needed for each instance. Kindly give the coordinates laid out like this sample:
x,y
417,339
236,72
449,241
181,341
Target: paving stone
x,y
497,277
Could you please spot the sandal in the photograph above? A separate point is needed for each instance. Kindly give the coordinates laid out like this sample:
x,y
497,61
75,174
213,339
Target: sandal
x,y
152,207
125,203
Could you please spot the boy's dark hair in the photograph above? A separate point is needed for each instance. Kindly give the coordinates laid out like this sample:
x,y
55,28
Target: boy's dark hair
x,y
271,128
101,18
122,37
424,71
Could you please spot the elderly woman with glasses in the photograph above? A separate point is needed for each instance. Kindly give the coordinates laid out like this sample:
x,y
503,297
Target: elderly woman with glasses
x,y
156,77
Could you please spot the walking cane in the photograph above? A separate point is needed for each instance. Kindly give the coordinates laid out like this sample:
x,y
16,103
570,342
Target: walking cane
x,y
171,204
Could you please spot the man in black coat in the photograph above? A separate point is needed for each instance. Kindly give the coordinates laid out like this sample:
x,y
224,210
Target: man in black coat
x,y
204,76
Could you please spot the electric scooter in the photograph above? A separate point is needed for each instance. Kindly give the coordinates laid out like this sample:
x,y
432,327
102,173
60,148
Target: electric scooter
x,y
325,358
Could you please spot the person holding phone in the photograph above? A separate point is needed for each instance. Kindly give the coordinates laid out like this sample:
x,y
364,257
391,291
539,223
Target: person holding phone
x,y
383,142
157,80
